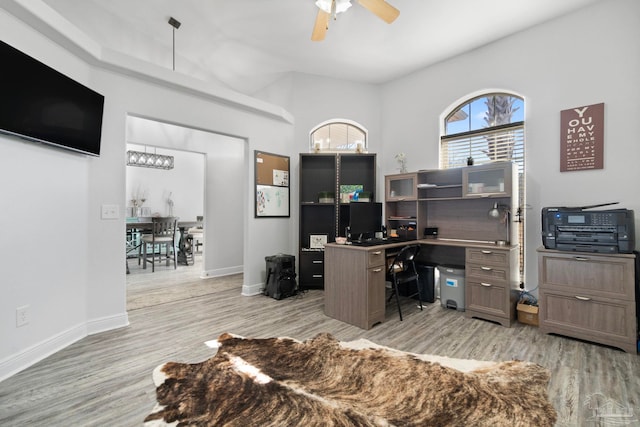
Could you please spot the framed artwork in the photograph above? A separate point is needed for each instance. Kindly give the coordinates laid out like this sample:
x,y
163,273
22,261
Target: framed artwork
x,y
272,195
347,192
582,138
317,241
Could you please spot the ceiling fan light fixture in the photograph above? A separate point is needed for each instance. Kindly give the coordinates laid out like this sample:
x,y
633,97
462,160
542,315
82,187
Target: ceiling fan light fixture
x,y
326,5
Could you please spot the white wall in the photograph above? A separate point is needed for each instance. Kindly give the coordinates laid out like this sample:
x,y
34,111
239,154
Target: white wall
x,y
585,58
184,184
75,282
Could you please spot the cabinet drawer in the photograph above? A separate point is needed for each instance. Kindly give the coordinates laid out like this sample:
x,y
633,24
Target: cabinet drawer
x,y
488,273
309,259
611,277
311,268
586,316
488,256
312,277
487,298
375,257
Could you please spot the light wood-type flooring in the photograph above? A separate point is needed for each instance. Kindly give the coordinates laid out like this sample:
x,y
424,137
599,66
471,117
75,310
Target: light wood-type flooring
x,y
105,379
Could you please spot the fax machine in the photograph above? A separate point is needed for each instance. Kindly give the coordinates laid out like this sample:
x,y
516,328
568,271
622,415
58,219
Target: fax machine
x,y
579,229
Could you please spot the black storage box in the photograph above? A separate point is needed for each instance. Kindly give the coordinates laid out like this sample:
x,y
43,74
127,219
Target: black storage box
x,y
281,276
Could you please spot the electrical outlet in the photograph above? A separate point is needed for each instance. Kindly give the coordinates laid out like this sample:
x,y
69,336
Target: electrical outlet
x,y
22,316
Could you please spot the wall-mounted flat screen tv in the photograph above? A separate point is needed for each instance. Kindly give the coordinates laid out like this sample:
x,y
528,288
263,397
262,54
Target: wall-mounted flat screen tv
x,y
40,104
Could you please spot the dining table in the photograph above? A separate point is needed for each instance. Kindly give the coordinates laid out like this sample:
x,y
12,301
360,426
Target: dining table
x,y
138,225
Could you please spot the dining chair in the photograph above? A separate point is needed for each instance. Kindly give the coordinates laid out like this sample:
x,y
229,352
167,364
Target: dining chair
x,y
197,234
163,233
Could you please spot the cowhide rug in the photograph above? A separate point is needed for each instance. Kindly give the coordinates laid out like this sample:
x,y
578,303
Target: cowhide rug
x,y
284,382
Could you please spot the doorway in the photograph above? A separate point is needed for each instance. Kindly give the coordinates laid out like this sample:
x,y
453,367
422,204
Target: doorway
x,y
205,165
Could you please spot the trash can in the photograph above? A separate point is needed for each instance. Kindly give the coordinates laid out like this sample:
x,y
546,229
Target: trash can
x,y
451,286
426,274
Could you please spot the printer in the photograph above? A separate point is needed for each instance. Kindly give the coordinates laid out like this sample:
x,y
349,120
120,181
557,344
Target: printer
x,y
583,230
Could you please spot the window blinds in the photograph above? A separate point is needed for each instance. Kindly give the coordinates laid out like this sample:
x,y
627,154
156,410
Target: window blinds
x,y
503,143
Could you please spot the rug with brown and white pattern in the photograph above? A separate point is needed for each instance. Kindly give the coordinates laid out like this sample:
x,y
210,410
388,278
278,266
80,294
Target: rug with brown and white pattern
x,y
321,381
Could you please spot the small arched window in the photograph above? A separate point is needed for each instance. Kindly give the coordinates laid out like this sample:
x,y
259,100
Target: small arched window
x,y
338,135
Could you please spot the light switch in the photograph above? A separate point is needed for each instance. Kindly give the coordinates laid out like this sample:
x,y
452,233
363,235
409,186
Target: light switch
x,y
110,212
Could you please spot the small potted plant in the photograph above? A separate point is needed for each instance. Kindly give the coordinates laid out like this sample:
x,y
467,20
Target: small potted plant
x,y
402,162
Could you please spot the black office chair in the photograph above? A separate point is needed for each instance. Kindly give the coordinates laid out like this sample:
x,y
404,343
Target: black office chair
x,y
403,271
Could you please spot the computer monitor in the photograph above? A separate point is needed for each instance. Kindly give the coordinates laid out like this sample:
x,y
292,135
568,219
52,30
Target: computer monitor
x,y
365,219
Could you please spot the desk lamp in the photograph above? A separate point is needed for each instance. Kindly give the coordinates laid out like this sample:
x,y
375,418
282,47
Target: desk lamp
x,y
502,213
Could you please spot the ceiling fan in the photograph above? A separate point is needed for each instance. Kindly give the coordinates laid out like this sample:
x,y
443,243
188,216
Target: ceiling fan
x,y
329,8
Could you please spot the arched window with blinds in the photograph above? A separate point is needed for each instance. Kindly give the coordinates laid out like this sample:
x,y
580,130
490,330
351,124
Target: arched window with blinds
x,y
487,128
484,129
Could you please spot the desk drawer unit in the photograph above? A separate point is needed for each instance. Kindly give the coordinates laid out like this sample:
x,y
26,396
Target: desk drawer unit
x,y
311,270
490,275
354,285
487,298
590,297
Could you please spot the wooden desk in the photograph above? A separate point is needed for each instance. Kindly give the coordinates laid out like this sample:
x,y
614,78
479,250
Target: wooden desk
x,y
355,280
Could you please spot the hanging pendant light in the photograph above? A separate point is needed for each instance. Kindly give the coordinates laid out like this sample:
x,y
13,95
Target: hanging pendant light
x,y
175,24
149,160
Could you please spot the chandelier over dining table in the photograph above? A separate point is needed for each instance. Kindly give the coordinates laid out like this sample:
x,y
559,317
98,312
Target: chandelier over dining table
x,y
149,160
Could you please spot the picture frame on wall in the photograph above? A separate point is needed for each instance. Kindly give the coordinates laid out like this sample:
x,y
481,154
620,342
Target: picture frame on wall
x,y
272,195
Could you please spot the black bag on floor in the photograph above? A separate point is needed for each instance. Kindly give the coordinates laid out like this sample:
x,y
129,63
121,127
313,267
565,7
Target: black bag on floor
x,y
281,277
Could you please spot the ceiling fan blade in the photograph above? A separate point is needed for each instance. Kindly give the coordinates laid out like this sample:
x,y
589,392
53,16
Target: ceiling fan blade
x,y
320,27
381,9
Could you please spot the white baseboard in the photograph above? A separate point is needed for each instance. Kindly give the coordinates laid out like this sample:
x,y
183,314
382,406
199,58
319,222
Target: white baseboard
x,y
219,272
247,290
37,352
22,360
103,324
251,290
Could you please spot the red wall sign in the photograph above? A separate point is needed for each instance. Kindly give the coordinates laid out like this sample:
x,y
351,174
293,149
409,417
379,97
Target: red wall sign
x,y
582,138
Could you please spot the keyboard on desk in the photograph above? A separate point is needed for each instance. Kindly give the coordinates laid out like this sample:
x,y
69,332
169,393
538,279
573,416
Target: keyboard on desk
x,y
370,242
384,241
400,239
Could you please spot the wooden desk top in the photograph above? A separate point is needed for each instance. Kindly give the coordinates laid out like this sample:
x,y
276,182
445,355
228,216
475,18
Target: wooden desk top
x,y
437,242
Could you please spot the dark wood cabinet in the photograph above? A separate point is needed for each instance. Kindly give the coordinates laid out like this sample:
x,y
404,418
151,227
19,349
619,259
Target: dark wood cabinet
x,y
323,216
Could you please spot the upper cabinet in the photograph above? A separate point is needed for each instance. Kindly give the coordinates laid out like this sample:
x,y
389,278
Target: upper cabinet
x,y
401,187
488,180
440,184
456,201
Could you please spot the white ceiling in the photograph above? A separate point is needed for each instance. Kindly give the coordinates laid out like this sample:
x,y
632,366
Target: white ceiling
x,y
248,44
